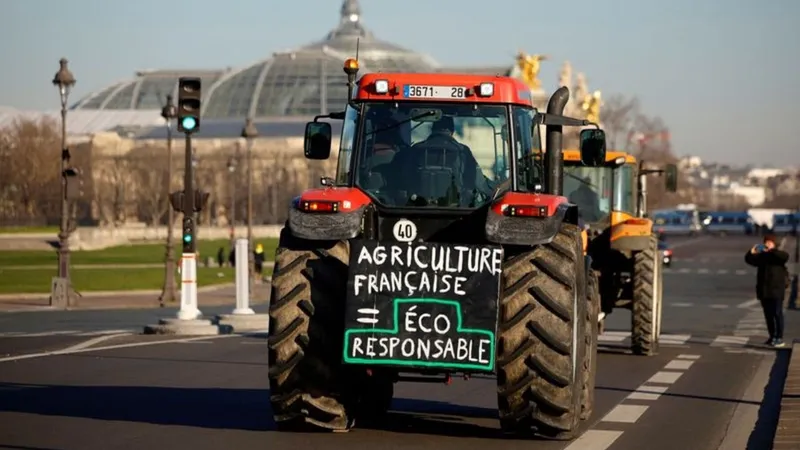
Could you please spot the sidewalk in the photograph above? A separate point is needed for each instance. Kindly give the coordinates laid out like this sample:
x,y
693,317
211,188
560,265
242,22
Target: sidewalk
x,y
219,295
787,435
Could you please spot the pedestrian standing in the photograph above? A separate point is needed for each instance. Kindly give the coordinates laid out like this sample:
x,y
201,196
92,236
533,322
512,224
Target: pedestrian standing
x,y
771,282
258,256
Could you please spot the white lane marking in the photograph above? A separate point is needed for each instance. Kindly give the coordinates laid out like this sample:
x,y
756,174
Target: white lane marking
x,y
113,347
749,303
678,364
614,336
48,333
702,270
662,377
104,332
625,413
677,339
748,350
645,392
595,440
684,270
750,332
686,356
741,272
752,321
704,260
722,271
94,341
729,340
681,304
719,306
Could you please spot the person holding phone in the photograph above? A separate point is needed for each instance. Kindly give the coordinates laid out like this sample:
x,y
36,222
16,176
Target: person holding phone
x,y
770,285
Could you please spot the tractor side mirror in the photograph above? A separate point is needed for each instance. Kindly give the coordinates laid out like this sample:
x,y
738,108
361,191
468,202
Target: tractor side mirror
x,y
671,177
593,147
317,143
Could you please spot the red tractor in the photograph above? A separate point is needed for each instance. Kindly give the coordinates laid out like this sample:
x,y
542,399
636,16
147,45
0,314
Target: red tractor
x,y
442,247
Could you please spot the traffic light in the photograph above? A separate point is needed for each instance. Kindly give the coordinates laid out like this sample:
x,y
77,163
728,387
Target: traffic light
x,y
189,96
74,183
188,235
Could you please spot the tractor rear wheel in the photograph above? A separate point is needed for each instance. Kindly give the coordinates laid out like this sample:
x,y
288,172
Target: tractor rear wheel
x,y
541,342
308,386
590,357
646,305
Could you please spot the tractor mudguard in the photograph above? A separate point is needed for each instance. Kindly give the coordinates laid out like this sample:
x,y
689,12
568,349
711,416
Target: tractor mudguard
x,y
631,235
528,231
631,243
326,227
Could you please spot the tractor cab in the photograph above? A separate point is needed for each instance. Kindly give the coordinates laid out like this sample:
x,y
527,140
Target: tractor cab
x,y
453,146
605,194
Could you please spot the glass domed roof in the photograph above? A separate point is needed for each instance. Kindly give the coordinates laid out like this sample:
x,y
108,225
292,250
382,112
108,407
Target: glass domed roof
x,y
301,82
309,80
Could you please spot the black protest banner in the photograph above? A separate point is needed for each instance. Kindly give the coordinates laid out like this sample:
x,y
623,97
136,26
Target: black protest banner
x,y
424,305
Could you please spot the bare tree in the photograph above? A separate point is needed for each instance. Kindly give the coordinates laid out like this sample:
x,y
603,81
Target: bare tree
x,y
619,115
149,173
29,169
114,194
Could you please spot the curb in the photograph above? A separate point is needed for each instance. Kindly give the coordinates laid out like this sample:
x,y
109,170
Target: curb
x,y
787,434
90,294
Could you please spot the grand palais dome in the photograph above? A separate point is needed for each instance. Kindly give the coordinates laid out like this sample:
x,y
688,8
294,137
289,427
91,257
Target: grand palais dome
x,y
300,82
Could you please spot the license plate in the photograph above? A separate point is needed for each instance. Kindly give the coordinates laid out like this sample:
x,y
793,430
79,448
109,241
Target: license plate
x,y
444,92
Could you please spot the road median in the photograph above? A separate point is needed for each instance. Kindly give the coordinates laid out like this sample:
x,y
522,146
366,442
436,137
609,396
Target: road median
x,y
787,434
216,295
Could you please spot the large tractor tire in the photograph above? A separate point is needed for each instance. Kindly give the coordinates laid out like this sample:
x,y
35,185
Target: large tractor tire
x,y
646,305
590,357
541,341
308,385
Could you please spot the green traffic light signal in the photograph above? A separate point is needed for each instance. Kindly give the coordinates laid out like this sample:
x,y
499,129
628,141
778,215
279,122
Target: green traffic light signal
x,y
187,238
189,123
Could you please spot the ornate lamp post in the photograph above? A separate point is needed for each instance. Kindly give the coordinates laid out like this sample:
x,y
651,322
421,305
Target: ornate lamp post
x,y
249,133
64,80
168,293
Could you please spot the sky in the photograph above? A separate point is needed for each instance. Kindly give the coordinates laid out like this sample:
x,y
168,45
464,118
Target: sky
x,y
722,74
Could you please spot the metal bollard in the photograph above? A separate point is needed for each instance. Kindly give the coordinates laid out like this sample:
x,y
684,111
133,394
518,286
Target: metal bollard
x,y
242,278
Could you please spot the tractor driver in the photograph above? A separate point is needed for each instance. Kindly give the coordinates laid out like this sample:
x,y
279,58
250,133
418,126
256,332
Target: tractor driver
x,y
454,155
587,200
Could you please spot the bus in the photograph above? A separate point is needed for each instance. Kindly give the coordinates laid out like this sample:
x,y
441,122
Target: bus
x,y
676,222
729,222
785,223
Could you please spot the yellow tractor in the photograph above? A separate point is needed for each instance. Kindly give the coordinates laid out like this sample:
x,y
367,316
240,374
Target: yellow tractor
x,y
619,238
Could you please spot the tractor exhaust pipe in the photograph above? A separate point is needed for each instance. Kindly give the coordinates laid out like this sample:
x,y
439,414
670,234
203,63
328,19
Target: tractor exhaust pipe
x,y
553,141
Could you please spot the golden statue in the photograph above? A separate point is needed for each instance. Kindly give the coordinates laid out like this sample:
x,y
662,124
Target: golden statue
x,y
591,106
530,66
581,88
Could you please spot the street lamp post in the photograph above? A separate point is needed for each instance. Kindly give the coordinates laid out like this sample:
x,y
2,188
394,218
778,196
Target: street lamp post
x,y
64,80
250,132
168,294
232,187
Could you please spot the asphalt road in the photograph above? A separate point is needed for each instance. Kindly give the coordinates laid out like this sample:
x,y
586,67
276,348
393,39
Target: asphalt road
x,y
711,386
